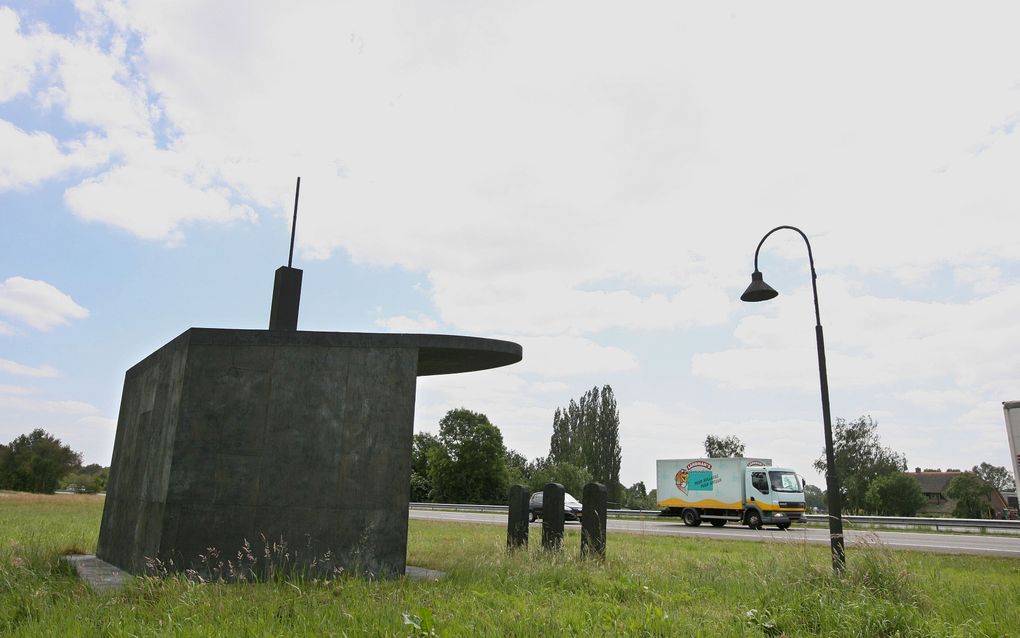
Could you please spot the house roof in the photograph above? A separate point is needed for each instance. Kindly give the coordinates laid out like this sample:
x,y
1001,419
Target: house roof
x,y
934,482
938,483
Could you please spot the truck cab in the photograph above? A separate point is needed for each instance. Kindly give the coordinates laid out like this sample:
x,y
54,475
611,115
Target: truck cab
x,y
774,496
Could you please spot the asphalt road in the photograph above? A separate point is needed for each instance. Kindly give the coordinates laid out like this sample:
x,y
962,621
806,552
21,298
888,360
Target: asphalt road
x,y
982,544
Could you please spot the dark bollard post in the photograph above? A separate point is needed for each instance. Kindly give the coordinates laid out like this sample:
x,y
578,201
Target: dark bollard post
x,y
593,521
552,516
517,518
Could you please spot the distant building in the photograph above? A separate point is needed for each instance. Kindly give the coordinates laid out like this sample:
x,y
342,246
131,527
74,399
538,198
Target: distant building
x,y
934,484
1014,505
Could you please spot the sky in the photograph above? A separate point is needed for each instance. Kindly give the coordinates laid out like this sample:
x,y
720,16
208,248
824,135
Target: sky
x,y
587,179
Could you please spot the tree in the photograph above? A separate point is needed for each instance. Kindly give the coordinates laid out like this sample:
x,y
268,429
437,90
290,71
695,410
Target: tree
x,y
587,434
860,459
36,462
637,497
971,496
89,479
996,476
895,495
814,498
517,467
469,466
572,477
421,486
722,447
565,444
102,478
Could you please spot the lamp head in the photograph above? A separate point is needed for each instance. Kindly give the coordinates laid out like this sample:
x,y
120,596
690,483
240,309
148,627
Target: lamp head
x,y
758,290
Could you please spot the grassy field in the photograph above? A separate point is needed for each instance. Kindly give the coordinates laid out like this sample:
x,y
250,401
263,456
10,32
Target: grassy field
x,y
648,585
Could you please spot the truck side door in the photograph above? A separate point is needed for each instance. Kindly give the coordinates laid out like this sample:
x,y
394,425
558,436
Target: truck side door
x,y
758,485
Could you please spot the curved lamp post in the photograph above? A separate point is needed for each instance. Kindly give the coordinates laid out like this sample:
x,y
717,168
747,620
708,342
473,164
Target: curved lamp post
x,y
761,291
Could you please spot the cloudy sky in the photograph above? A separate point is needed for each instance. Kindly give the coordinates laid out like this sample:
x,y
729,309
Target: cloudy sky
x,y
589,180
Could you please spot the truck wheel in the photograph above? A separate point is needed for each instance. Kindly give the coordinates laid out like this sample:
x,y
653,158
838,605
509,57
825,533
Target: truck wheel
x,y
691,518
534,516
783,526
717,523
754,520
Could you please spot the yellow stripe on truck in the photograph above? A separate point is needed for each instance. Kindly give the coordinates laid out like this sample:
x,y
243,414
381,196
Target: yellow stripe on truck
x,y
713,504
706,503
775,508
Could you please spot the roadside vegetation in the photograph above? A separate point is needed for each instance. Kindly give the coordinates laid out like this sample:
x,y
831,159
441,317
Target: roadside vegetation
x,y
649,585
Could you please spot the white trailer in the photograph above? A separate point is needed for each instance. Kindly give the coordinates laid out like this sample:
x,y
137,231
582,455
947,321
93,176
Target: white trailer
x,y
748,491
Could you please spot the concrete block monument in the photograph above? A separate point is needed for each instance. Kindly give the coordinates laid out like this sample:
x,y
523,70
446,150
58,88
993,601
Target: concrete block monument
x,y
226,436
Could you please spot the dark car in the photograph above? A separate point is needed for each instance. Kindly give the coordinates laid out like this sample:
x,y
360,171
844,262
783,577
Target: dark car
x,y
571,507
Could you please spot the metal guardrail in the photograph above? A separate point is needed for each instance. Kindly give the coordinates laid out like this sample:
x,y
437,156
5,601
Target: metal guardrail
x,y
920,521
890,521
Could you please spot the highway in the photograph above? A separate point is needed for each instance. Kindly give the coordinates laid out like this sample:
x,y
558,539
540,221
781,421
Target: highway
x,y
981,544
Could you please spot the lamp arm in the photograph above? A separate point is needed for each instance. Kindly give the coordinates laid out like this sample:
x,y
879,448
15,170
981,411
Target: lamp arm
x,y
811,261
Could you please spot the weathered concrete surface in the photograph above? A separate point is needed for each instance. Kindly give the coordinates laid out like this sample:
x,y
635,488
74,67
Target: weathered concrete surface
x,y
593,520
283,314
233,435
517,518
552,516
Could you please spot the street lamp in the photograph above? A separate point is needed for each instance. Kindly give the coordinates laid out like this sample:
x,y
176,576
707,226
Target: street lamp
x,y
761,291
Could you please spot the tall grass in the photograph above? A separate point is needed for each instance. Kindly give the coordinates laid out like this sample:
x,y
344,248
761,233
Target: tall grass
x,y
647,586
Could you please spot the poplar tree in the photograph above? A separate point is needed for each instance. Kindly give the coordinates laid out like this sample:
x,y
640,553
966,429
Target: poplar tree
x,y
587,434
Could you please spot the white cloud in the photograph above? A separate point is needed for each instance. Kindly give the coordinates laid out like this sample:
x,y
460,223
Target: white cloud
x,y
937,400
13,389
871,341
152,201
565,355
644,168
983,279
13,367
19,56
29,158
400,323
37,303
503,395
103,422
45,406
97,88
529,302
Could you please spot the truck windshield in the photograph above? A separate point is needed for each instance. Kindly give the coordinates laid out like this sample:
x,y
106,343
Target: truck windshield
x,y
784,482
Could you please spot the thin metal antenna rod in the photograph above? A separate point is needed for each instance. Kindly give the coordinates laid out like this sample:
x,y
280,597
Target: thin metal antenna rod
x,y
293,225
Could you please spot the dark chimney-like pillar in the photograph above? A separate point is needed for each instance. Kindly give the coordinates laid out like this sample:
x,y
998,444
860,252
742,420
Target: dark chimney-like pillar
x,y
286,299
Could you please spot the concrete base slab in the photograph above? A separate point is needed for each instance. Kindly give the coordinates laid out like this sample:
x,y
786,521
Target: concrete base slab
x,y
420,573
99,574
103,577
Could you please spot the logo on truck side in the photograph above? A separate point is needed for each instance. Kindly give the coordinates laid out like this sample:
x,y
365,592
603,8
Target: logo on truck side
x,y
691,480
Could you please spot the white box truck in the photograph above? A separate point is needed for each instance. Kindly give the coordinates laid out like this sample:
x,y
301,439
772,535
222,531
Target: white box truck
x,y
751,492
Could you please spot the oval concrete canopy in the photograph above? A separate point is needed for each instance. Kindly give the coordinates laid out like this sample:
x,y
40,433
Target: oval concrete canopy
x,y
437,354
449,354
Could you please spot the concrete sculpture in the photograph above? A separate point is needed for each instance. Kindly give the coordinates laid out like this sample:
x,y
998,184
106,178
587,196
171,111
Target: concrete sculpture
x,y
226,436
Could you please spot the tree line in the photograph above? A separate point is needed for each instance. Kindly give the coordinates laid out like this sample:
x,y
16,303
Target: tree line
x,y
467,462
873,478
39,462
